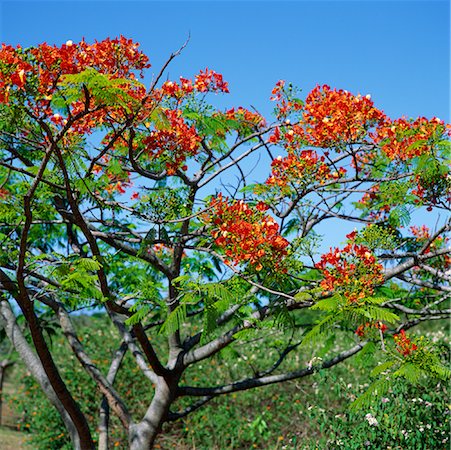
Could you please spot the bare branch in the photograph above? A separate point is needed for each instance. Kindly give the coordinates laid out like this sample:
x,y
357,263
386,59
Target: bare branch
x,y
249,383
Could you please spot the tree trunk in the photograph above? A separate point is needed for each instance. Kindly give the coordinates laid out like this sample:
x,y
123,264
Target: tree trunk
x,y
2,377
104,412
34,365
104,423
142,436
3,366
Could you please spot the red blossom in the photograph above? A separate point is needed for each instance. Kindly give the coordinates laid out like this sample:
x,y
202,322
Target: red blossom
x,y
277,90
334,117
246,117
362,330
246,233
405,139
301,168
3,193
403,344
210,81
352,271
173,144
46,65
275,137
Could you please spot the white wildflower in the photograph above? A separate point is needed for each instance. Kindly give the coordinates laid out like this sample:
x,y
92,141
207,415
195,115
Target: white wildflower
x,y
371,420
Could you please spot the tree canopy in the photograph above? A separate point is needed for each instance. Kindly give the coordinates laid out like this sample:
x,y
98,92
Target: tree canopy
x,y
177,219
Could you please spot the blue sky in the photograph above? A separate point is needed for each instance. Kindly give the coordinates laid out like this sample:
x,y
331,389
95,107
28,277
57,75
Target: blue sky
x,y
396,50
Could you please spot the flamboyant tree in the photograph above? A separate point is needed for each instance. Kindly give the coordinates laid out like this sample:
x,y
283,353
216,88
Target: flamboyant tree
x,y
135,200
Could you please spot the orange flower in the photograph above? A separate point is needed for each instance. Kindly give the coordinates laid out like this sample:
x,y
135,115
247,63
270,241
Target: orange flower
x,y
352,271
301,168
174,144
246,233
405,139
403,344
334,117
363,329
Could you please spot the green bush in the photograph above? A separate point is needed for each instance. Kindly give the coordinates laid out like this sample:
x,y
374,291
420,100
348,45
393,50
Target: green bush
x,y
312,413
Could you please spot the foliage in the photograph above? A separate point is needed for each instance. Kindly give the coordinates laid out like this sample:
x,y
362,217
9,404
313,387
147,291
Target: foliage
x,y
305,414
134,201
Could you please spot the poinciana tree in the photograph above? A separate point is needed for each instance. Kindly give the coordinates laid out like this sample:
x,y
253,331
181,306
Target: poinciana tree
x,y
134,200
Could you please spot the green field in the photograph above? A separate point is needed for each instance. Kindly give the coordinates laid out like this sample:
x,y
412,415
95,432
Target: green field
x,y
307,414
12,440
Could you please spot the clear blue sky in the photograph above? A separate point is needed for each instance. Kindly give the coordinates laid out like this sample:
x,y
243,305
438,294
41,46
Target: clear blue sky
x,y
396,50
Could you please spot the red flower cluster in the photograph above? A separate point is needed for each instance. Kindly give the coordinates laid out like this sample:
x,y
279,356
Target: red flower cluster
x,y
352,271
363,329
403,344
174,143
334,117
432,189
13,70
45,66
285,102
246,233
117,185
305,167
421,233
173,89
376,210
210,81
277,91
245,116
117,182
370,195
3,193
403,139
116,57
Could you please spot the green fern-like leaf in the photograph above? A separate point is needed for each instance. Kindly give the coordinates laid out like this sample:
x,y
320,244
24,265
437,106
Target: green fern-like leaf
x,y
410,372
211,314
366,353
442,372
247,333
375,300
139,315
89,264
382,368
374,392
321,330
377,313
329,304
282,318
174,320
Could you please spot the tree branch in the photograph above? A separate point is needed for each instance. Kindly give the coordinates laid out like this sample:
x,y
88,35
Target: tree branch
x,y
253,382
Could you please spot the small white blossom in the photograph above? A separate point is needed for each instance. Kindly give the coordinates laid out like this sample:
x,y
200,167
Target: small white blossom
x,y
313,361
371,420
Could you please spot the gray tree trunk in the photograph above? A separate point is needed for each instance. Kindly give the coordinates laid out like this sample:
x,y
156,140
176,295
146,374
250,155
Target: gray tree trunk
x,y
142,435
34,365
3,367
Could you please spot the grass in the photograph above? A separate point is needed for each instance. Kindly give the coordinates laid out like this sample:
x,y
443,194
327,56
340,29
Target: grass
x,y
306,414
12,440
